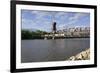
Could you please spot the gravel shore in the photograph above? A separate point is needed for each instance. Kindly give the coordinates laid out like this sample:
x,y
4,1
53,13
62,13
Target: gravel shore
x,y
84,55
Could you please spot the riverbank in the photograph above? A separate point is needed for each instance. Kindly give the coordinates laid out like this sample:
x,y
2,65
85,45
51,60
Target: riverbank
x,y
55,38
84,55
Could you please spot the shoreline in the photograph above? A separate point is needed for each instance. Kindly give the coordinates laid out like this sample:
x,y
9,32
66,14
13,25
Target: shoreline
x,y
84,55
57,38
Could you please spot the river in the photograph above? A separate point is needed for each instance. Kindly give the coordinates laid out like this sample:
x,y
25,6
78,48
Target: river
x,y
40,50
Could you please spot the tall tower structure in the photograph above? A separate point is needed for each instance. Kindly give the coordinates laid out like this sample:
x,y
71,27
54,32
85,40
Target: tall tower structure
x,y
54,30
54,27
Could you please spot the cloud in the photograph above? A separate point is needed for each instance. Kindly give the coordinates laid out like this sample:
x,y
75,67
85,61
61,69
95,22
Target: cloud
x,y
77,16
41,14
27,24
32,24
60,14
43,19
50,15
62,26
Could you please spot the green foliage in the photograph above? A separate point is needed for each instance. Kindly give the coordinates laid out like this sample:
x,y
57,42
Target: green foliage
x,y
26,34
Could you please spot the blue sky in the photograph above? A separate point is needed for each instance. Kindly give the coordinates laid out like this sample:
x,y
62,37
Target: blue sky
x,y
42,20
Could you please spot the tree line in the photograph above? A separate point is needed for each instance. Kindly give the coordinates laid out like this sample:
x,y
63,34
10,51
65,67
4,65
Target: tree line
x,y
26,34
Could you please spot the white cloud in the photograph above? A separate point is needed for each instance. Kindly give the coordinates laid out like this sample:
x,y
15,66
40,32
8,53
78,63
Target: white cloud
x,y
53,15
41,14
40,21
32,24
61,15
77,16
62,26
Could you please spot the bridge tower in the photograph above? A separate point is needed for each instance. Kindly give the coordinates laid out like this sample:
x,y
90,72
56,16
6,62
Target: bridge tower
x,y
54,29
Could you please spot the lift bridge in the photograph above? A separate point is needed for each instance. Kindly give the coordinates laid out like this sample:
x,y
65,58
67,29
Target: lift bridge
x,y
53,31
71,32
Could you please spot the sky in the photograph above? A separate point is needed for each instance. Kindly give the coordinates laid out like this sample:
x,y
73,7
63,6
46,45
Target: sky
x,y
43,20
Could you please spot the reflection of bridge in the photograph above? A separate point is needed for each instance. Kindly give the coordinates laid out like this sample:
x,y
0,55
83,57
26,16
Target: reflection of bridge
x,y
69,32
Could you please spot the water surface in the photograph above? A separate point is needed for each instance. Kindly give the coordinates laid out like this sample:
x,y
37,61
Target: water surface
x,y
40,50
